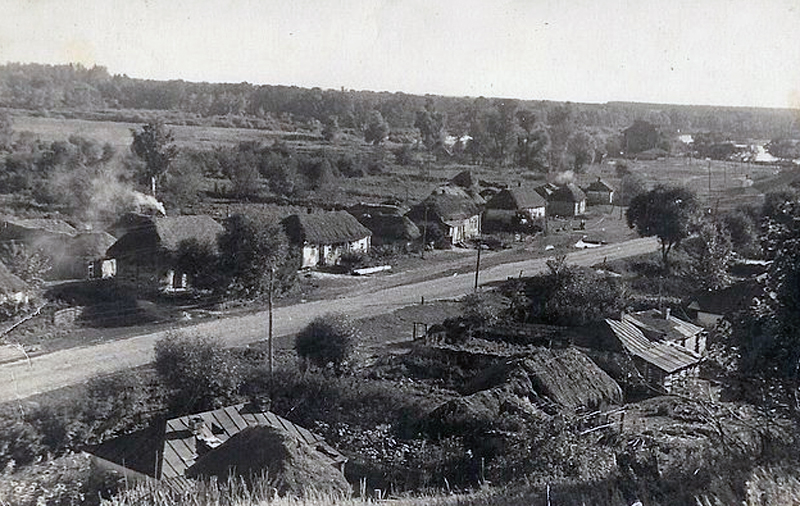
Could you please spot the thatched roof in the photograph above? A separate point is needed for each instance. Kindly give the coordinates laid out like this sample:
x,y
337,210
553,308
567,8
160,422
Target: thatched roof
x,y
464,179
9,282
554,379
165,234
568,193
516,199
335,227
445,205
37,226
293,468
385,221
90,245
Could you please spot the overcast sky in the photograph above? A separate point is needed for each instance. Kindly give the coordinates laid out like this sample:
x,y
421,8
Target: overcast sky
x,y
727,52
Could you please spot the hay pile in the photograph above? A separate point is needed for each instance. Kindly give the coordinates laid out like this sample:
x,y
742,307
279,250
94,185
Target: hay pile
x,y
553,379
292,467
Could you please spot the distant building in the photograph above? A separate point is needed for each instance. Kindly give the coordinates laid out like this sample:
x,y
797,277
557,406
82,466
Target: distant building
x,y
708,308
388,223
518,207
145,256
175,448
325,237
567,200
450,210
599,193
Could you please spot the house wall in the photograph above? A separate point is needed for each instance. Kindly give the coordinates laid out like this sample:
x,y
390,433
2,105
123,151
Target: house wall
x,y
329,254
562,208
149,278
708,320
461,230
599,198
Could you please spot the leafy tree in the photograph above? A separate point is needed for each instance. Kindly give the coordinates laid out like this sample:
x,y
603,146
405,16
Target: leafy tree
x,y
249,252
28,263
200,263
787,149
581,149
533,149
743,229
330,128
710,253
327,340
154,144
667,212
377,129
183,183
430,124
6,131
198,371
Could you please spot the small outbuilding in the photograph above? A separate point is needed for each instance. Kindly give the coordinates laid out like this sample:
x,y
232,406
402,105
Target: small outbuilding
x,y
325,237
518,207
567,200
599,193
388,223
14,292
202,443
450,210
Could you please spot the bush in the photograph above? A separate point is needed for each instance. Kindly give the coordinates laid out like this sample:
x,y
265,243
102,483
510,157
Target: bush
x,y
327,340
198,371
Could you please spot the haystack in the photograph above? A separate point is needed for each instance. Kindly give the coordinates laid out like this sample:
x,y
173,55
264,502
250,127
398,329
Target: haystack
x,y
554,379
292,467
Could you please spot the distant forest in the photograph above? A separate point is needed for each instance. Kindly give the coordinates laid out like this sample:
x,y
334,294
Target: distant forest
x,y
74,87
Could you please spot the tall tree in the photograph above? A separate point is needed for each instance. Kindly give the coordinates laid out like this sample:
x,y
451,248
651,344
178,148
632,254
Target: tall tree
x,y
667,212
581,149
250,252
155,145
710,253
377,129
430,124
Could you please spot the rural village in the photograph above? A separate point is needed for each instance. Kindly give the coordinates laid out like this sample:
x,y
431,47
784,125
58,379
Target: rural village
x,y
252,292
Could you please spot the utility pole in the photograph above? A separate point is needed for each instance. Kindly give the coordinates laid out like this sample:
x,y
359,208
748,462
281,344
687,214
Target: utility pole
x,y
424,229
709,178
269,305
478,263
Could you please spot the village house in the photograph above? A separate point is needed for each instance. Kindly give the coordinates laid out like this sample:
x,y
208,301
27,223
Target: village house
x,y
14,292
83,256
567,200
177,448
145,255
470,185
599,193
515,208
450,210
659,363
47,237
325,237
387,222
708,308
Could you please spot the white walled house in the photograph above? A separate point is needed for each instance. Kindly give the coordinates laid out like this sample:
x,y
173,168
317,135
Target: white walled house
x,y
325,237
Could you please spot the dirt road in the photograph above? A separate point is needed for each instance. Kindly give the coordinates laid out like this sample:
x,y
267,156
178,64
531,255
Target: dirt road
x,y
50,371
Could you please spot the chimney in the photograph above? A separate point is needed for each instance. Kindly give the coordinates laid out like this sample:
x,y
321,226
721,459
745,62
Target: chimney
x,y
196,425
667,313
309,210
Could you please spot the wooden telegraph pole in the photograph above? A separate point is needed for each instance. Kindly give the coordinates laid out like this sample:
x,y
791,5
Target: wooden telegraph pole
x,y
269,305
478,264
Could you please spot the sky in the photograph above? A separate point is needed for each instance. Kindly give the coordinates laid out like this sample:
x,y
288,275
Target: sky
x,y
717,52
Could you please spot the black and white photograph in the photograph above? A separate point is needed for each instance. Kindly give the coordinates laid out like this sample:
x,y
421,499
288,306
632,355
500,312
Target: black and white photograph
x,y
400,252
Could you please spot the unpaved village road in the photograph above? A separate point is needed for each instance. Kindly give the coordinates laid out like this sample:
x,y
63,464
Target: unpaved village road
x,y
50,371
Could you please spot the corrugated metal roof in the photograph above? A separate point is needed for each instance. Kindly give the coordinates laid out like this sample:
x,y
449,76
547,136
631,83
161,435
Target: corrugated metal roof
x,y
180,453
668,357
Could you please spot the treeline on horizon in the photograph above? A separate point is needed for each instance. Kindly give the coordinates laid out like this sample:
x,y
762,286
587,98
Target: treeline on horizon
x,y
41,87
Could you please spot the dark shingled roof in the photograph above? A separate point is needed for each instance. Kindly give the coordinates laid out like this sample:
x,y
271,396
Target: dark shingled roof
x,y
568,193
517,198
165,234
728,300
324,228
599,186
9,282
385,221
464,179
